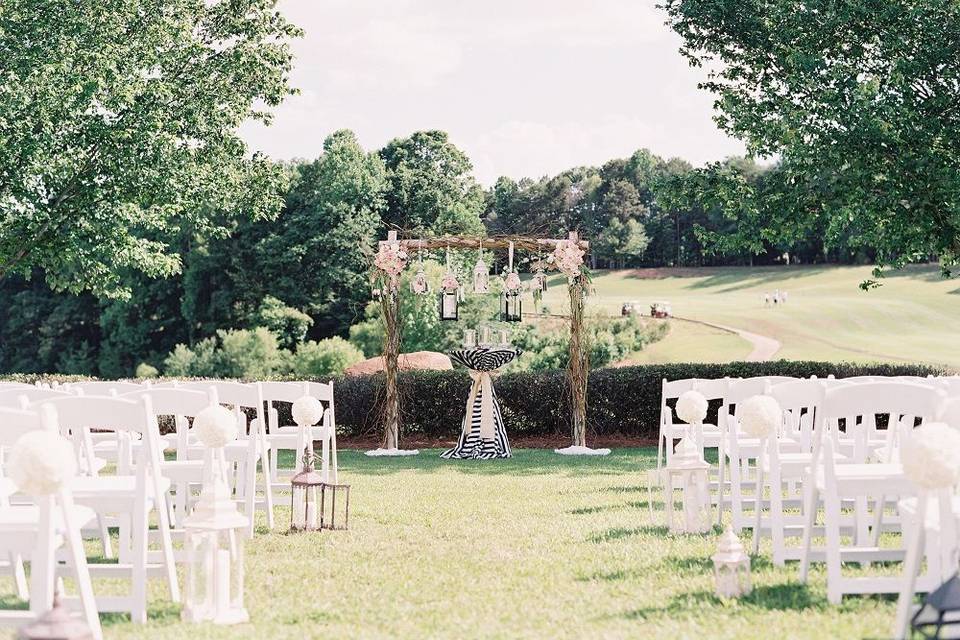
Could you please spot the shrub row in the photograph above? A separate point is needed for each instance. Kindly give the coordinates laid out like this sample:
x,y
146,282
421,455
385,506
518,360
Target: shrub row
x,y
622,401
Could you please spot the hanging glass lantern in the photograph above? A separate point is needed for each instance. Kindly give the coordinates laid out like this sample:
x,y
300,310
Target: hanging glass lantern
x,y
511,306
305,496
481,274
939,615
419,285
539,282
448,305
731,567
687,471
449,294
213,543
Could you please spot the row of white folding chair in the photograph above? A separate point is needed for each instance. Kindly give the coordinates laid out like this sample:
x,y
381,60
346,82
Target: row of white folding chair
x,y
87,462
289,437
857,479
243,454
35,529
127,497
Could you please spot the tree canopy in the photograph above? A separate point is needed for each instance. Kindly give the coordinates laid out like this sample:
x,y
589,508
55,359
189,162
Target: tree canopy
x,y
118,125
860,100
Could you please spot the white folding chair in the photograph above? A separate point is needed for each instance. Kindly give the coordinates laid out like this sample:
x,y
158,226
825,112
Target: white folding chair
x,y
858,480
782,471
249,449
181,405
737,450
36,529
289,437
129,496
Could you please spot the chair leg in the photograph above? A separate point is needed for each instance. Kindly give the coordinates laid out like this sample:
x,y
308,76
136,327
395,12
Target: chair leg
x,y
758,511
166,544
123,537
720,484
834,563
19,576
910,567
105,536
81,571
877,521
267,489
811,504
776,519
139,533
43,561
736,496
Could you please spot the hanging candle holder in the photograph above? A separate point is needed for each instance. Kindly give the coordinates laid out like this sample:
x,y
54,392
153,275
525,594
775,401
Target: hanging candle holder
x,y
419,285
449,293
481,274
539,282
511,307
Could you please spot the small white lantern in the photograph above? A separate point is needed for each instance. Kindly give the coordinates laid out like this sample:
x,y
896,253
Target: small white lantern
x,y
731,567
214,552
687,471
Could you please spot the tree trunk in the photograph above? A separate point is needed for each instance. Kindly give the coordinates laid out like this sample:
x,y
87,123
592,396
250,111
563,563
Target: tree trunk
x,y
578,369
390,305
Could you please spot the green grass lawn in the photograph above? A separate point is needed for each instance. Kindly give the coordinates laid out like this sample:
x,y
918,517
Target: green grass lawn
x,y
914,316
539,546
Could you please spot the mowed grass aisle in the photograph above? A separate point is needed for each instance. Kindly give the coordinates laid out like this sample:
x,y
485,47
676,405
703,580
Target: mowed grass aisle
x,y
539,546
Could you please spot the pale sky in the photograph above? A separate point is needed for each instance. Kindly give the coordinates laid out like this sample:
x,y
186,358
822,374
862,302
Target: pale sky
x,y
525,87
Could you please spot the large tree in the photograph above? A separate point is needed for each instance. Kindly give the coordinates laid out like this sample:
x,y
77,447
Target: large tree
x,y
431,185
118,123
861,101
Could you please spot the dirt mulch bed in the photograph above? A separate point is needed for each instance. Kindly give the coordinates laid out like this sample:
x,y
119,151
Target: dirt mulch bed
x,y
520,442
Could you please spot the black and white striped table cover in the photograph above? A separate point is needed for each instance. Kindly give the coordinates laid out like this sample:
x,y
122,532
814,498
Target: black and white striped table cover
x,y
470,444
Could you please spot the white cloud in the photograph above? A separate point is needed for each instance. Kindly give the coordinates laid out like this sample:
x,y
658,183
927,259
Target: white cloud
x,y
525,87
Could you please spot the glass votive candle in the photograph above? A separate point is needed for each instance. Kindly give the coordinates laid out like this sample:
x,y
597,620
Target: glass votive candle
x,y
484,335
469,338
504,338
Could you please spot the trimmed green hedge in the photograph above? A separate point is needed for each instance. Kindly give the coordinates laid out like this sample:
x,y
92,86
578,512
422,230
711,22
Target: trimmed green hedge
x,y
622,401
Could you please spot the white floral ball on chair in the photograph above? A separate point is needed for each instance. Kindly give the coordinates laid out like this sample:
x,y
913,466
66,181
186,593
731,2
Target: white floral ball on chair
x,y
307,411
215,426
42,462
692,407
760,417
931,456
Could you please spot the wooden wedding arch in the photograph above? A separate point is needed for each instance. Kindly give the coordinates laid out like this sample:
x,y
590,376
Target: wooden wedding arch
x,y
578,364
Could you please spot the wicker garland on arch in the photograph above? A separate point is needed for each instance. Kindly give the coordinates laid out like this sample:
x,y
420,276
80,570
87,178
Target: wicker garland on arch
x,y
565,255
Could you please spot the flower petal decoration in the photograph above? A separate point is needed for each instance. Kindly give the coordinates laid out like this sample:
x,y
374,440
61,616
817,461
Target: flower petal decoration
x,y
692,407
760,416
41,462
307,411
215,426
931,456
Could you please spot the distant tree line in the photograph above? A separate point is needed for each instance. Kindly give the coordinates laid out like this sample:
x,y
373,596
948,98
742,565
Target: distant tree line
x,y
303,274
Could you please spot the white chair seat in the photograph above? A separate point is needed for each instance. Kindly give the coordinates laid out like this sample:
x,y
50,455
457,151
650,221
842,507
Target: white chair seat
x,y
182,470
868,479
908,508
21,519
795,463
111,492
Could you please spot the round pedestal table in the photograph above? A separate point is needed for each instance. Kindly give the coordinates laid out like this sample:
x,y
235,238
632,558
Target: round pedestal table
x,y
482,434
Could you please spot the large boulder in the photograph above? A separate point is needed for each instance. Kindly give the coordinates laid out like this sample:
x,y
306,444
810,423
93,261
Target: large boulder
x,y
417,360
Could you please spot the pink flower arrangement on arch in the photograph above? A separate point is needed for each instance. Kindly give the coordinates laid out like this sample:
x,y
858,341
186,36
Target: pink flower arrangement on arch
x,y
391,259
567,258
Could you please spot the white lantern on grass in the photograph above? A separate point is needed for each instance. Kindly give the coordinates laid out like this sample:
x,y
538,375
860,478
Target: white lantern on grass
x,y
731,567
687,471
214,533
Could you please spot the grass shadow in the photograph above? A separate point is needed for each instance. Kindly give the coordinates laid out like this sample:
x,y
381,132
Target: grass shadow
x,y
622,533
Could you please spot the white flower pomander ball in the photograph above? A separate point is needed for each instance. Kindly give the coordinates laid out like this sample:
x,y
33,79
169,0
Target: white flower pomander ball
x,y
307,411
215,426
931,456
760,416
41,462
692,407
